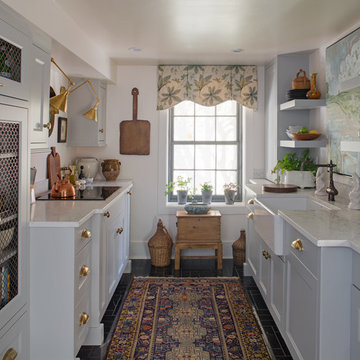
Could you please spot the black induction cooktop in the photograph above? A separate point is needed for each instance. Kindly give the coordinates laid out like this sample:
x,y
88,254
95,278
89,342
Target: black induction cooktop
x,y
89,193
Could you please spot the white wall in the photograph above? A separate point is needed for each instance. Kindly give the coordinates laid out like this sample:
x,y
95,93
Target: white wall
x,y
148,172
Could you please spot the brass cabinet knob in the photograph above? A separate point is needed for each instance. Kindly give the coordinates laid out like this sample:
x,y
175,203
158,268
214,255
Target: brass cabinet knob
x,y
101,130
129,192
297,245
120,230
266,255
84,271
84,318
251,202
250,215
47,126
107,214
86,234
11,354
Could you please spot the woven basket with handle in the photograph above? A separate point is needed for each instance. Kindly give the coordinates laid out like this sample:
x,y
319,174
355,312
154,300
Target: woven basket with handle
x,y
239,247
160,246
301,82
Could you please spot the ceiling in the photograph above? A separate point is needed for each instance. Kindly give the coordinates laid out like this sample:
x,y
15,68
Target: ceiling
x,y
207,31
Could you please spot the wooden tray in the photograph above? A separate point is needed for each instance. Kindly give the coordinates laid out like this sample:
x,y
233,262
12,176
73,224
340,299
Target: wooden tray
x,y
296,136
279,188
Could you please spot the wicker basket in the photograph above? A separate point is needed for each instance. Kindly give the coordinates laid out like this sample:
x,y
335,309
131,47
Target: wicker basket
x,y
301,82
160,246
238,247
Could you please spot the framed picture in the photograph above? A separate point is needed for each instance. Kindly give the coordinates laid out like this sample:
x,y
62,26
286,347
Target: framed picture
x,y
62,130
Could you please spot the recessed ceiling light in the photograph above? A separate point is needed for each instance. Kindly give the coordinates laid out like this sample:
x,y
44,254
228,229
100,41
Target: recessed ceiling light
x,y
134,49
237,50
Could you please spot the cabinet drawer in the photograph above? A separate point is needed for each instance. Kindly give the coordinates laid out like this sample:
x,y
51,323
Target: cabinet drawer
x,y
83,235
309,255
197,228
81,330
15,338
82,272
356,269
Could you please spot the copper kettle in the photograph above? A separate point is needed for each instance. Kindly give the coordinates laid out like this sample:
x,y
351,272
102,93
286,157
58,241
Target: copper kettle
x,y
63,189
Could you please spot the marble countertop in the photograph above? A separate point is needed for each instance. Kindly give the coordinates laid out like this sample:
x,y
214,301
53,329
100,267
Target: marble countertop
x,y
331,228
73,213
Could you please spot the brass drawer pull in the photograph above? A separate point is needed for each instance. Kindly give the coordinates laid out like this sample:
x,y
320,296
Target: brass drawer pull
x,y
250,215
101,131
266,255
2,85
84,271
129,192
84,318
11,354
251,202
107,214
297,245
47,126
120,230
86,234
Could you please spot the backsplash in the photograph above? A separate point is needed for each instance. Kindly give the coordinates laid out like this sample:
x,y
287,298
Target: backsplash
x,y
343,99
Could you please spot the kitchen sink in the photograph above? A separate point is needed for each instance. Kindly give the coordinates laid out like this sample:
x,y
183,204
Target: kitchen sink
x,y
270,226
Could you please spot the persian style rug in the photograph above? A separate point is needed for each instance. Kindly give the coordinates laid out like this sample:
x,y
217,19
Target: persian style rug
x,y
187,318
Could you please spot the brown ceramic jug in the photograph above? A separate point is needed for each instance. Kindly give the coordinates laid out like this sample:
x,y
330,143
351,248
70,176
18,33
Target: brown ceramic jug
x,y
110,169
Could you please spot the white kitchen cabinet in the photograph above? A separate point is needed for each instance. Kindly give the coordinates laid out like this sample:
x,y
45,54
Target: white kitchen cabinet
x,y
265,270
277,294
81,130
14,340
355,323
15,46
301,309
60,294
39,106
14,214
116,239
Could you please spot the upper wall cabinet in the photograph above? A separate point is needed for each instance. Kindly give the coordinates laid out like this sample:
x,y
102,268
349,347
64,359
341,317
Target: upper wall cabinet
x,y
83,131
15,49
39,107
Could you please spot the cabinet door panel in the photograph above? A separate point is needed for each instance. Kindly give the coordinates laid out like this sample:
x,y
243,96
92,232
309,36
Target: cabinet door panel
x,y
39,110
277,290
253,248
301,314
355,324
265,270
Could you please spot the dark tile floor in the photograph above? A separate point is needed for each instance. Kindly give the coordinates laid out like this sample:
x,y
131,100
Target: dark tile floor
x,y
200,268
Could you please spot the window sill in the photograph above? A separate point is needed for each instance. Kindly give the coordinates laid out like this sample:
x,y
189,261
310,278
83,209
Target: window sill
x,y
236,209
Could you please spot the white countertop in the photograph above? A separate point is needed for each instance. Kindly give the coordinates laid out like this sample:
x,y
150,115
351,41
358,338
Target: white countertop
x,y
73,213
331,228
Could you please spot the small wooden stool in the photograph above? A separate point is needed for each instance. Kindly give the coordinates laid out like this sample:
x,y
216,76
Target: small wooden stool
x,y
198,232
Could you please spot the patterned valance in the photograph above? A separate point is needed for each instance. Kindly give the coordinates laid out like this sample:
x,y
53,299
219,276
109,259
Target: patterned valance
x,y
207,84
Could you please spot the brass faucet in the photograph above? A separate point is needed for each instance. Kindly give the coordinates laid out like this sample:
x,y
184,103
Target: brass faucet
x,y
331,190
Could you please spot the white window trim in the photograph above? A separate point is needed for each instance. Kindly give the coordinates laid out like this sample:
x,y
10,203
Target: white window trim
x,y
165,207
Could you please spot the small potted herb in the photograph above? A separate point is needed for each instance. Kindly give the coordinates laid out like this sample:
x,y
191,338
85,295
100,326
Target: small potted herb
x,y
206,193
296,170
182,186
230,191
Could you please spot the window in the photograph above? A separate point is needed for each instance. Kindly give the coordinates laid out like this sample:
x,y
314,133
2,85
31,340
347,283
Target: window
x,y
205,145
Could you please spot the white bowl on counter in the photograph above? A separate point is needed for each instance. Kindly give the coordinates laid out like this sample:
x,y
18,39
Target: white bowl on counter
x,y
90,164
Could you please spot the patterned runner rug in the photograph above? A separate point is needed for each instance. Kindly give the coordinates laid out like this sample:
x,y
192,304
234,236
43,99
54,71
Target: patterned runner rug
x,y
187,318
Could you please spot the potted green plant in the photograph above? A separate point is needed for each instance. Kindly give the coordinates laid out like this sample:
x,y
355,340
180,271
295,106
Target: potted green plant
x,y
230,191
206,192
182,185
296,170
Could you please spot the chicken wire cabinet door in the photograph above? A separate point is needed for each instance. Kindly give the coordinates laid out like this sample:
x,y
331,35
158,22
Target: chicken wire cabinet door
x,y
14,204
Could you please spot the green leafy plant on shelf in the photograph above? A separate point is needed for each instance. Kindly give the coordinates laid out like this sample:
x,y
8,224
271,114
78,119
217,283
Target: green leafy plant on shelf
x,y
181,183
206,187
291,162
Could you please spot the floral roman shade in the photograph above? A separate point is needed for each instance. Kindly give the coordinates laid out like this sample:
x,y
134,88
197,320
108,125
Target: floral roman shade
x,y
207,84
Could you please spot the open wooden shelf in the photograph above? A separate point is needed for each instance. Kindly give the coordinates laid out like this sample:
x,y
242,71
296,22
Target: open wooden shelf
x,y
302,104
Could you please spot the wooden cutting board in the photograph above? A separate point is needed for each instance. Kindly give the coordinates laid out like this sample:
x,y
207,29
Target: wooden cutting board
x,y
279,188
53,166
135,134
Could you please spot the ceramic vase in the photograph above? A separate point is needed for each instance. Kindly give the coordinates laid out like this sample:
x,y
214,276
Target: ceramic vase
x,y
182,196
229,196
110,169
206,197
313,93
